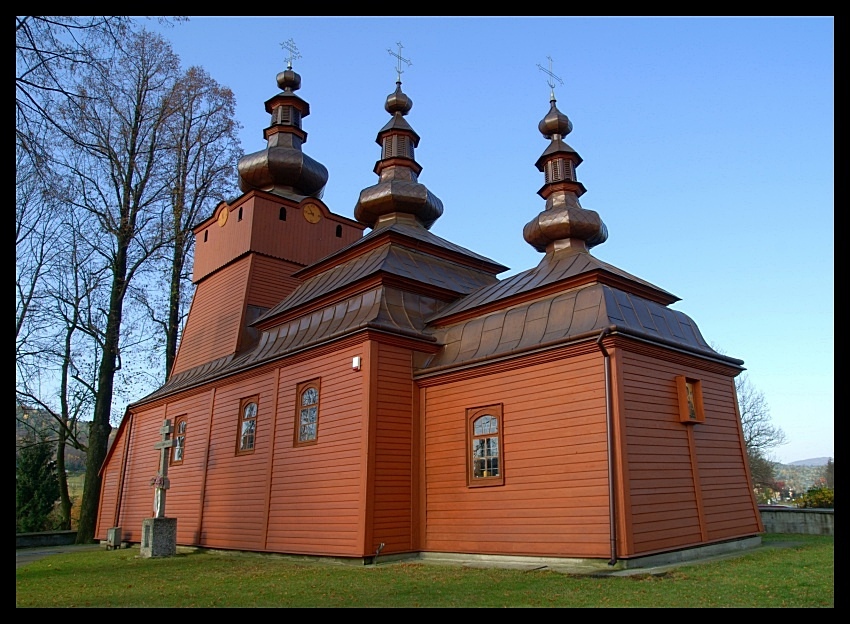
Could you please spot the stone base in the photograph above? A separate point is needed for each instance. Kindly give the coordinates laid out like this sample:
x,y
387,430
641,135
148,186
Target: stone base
x,y
159,537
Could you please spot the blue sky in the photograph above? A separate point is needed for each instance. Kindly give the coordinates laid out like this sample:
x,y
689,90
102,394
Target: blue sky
x,y
708,147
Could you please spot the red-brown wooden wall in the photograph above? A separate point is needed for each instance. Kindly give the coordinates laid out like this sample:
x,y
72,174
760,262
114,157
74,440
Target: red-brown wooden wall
x,y
391,459
554,501
295,499
395,419
317,491
215,318
261,230
685,483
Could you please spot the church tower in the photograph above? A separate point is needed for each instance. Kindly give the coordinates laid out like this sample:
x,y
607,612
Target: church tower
x,y
247,252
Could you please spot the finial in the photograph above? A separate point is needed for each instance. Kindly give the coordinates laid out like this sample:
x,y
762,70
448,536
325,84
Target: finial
x,y
400,59
552,76
293,52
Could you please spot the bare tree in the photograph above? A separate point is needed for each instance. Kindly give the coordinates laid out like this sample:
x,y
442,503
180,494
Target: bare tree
x,y
203,156
69,286
35,250
115,160
56,332
760,434
47,47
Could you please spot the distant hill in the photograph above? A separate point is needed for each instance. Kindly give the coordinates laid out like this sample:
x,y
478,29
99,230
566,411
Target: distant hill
x,y
814,461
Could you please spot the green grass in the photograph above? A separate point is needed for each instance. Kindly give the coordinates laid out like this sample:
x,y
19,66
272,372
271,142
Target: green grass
x,y
798,574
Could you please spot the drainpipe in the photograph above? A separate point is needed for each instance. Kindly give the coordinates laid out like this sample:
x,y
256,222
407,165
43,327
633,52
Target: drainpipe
x,y
609,431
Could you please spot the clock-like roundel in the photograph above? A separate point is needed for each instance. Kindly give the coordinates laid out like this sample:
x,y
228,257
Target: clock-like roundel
x,y
312,213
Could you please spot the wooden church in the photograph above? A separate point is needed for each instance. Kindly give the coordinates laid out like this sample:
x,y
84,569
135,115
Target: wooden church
x,y
343,393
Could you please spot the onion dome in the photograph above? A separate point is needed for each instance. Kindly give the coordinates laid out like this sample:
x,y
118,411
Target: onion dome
x,y
282,168
563,223
398,191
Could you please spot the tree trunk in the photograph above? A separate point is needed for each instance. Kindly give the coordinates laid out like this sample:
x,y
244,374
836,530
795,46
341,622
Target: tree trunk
x,y
100,427
64,497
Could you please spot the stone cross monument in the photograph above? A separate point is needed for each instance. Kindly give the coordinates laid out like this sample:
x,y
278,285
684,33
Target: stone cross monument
x,y
160,482
159,534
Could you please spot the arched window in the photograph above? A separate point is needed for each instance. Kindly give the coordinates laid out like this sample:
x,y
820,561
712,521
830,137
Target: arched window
x,y
282,215
247,425
339,231
179,448
239,218
484,433
307,413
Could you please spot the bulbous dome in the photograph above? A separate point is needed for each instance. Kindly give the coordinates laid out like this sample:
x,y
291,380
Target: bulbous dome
x,y
555,122
398,101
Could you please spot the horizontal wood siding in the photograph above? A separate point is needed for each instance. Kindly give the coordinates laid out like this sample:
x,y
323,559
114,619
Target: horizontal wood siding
x,y
271,281
316,491
215,319
393,486
726,497
223,243
665,512
109,490
554,501
234,500
142,465
296,239
184,498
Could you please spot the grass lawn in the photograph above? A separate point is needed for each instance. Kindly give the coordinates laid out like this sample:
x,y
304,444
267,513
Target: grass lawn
x,y
797,572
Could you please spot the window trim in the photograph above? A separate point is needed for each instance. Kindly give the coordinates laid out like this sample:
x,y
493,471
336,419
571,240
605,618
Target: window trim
x,y
180,420
682,383
242,405
299,391
472,414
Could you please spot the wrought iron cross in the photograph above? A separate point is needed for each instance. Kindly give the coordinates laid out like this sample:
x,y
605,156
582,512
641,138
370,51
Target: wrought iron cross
x,y
400,59
551,75
161,482
289,45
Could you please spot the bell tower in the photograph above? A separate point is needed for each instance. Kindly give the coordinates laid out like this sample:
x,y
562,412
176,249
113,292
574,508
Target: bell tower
x,y
247,252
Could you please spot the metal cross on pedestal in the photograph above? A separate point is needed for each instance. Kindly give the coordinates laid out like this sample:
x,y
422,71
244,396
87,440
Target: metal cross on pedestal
x,y
400,59
161,483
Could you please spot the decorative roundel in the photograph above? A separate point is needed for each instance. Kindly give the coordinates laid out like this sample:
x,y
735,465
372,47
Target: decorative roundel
x,y
312,213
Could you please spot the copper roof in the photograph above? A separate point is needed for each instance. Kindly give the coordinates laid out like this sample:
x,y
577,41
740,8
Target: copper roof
x,y
282,167
563,223
398,190
553,268
382,309
406,227
556,319
388,259
191,377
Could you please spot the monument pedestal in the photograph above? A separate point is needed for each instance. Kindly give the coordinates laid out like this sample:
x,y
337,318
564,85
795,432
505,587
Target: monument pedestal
x,y
159,537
